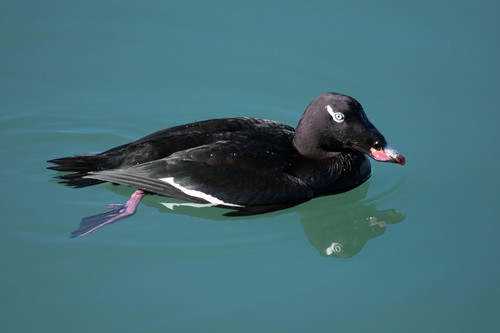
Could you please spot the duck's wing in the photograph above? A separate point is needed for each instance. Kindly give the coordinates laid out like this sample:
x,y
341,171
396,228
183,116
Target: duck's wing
x,y
180,138
222,173
166,142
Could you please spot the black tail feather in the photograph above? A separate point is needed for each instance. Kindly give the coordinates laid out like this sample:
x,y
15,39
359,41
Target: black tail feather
x,y
81,163
80,166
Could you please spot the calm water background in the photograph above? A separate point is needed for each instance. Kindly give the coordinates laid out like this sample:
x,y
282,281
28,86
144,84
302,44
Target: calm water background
x,y
414,249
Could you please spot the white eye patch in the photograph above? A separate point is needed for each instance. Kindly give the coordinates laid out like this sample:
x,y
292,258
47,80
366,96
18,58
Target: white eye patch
x,y
337,116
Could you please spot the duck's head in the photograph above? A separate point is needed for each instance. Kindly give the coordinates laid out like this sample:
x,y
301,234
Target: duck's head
x,y
335,123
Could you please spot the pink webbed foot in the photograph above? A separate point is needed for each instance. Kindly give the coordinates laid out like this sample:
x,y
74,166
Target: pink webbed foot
x,y
116,212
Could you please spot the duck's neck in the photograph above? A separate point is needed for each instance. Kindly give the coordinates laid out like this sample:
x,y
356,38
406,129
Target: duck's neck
x,y
307,142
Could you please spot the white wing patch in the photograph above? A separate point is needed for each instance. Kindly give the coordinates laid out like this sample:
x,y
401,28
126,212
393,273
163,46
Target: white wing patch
x,y
197,194
172,205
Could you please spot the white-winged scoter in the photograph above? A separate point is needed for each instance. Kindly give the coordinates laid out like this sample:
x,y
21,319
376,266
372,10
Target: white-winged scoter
x,y
249,165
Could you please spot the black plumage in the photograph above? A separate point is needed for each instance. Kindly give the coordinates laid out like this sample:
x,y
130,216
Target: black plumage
x,y
242,163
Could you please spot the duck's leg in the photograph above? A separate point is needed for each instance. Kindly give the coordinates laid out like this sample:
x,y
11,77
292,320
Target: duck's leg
x,y
116,212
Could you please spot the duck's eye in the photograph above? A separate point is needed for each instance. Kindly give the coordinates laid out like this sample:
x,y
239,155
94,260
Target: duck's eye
x,y
337,116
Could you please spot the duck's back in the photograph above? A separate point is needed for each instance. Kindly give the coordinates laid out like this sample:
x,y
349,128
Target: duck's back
x,y
246,141
245,134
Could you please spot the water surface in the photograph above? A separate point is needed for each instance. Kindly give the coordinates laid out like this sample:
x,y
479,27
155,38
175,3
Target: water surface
x,y
412,250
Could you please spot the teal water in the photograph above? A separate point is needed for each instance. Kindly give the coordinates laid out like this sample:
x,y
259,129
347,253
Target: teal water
x,y
412,250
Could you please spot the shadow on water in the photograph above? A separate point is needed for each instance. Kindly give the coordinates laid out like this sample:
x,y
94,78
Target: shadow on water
x,y
338,226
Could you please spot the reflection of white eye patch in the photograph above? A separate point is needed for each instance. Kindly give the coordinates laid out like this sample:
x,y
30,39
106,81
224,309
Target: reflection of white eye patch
x,y
337,116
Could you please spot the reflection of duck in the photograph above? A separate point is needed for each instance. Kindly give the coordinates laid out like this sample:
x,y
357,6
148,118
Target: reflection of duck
x,y
337,226
250,165
343,230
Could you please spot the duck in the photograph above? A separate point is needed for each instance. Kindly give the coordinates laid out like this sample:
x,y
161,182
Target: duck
x,y
248,165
